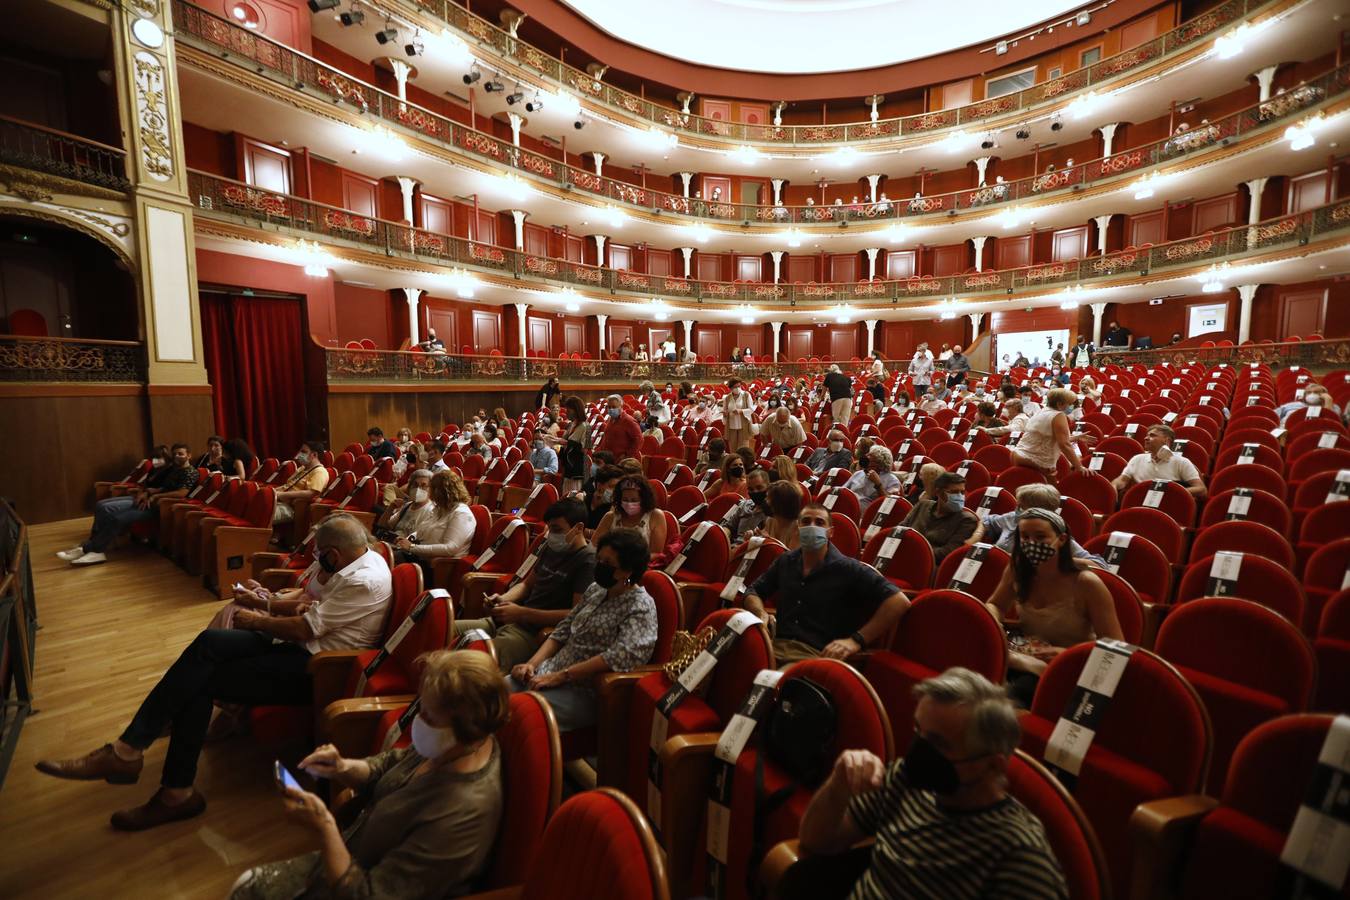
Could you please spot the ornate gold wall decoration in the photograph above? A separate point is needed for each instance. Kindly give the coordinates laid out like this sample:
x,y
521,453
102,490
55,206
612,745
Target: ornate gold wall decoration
x,y
41,186
153,117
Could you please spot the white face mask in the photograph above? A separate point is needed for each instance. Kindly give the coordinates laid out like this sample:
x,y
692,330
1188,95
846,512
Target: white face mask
x,y
431,742
159,463
419,495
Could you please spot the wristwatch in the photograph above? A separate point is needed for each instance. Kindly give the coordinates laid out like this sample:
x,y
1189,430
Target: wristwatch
x,y
858,639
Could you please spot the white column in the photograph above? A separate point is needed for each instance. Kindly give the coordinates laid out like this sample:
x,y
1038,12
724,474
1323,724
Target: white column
x,y
599,163
1102,223
601,318
979,251
1098,311
975,320
1108,136
1255,188
401,72
871,335
777,191
599,249
688,333
777,329
1246,293
520,325
406,186
1265,77
777,257
685,179
414,335
518,215
688,254
875,100
516,121
872,261
982,168
872,182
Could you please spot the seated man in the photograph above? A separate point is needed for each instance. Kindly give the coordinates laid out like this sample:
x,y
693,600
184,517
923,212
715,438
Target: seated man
x,y
1017,420
543,458
1159,463
380,447
827,604
874,477
783,429
114,516
1313,395
309,480
1000,530
612,629
750,513
945,521
834,455
944,823
263,659
478,446
556,584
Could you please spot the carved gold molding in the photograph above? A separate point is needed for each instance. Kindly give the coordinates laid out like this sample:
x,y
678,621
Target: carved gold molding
x,y
35,186
152,115
107,232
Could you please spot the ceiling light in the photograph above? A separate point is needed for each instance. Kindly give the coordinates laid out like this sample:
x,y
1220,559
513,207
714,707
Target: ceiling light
x,y
513,99
1056,125
747,155
382,142
1071,293
387,35
473,74
462,282
579,124
843,314
567,103
1084,17
897,232
509,184
659,137
534,105
414,47
321,5
494,86
659,311
793,237
987,144
573,307
1023,133
352,17
1300,136
843,155
313,257
1011,218
1084,105
1212,279
700,233
615,217
1227,46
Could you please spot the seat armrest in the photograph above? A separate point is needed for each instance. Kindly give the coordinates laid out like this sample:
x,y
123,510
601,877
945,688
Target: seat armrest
x,y
330,671
365,517
261,562
614,694
1162,831
278,579
350,724
775,865
686,773
475,586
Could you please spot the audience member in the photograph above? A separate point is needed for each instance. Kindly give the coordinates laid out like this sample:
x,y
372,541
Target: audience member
x,y
840,388
239,459
737,415
600,495
1116,336
732,480
921,369
1047,436
1016,420
785,470
834,455
543,458
1158,462
547,396
749,514
623,435
407,516
784,505
874,477
379,447
635,510
784,429
944,520
1001,530
308,482
214,458
446,531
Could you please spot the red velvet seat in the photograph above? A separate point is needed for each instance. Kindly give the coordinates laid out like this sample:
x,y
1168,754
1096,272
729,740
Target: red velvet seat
x,y
701,600
1107,465
993,501
1168,497
1153,742
1332,646
685,499
1213,643
447,572
1093,490
399,672
883,513
1243,537
1260,506
911,566
1323,576
845,535
1309,464
1326,523
1128,603
985,581
706,560
941,629
1259,580
842,501
1251,476
1071,835
1158,527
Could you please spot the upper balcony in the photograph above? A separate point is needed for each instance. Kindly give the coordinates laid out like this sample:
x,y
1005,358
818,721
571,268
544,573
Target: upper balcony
x,y
65,156
565,193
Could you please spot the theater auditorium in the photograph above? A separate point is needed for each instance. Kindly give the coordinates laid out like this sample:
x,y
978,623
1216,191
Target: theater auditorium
x,y
578,449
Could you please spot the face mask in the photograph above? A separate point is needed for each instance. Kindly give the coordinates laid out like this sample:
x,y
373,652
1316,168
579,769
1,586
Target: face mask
x,y
607,495
1037,552
539,445
157,464
812,537
419,495
614,413
431,742
327,563
604,575
375,442
928,770
956,502
736,471
836,446
558,542
302,458
1313,399
631,507
759,497
736,391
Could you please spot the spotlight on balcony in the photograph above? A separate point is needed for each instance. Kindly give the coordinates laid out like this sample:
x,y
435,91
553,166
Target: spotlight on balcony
x,y
494,86
352,17
514,98
534,105
473,75
1023,133
579,124
321,5
387,35
1056,125
987,144
414,47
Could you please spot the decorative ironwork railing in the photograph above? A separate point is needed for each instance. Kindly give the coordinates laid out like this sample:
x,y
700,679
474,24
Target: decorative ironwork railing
x,y
484,35
225,199
1310,354
296,71
30,146
66,359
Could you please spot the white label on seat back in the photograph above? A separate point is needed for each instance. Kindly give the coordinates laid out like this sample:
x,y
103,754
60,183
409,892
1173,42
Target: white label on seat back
x,y
1154,498
1238,506
1190,420
1327,440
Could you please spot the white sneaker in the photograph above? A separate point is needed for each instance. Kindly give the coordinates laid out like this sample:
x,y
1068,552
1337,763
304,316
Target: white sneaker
x,y
89,559
72,554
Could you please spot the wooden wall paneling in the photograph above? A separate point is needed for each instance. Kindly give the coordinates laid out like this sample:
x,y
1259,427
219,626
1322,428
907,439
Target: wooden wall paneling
x,y
655,336
749,268
1216,212
1307,192
360,194
1144,228
659,262
798,343
264,166
539,333
950,260
708,342
1069,243
443,319
958,93
709,266
843,342
1303,312
844,267
617,335
716,109
437,215
620,257
487,331
900,264
536,240
752,338
801,269
752,113
574,337
486,231
1014,252
1132,34
716,184
574,248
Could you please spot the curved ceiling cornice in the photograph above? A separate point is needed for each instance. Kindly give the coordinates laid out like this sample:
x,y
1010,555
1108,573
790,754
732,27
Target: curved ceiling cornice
x,y
679,72
813,36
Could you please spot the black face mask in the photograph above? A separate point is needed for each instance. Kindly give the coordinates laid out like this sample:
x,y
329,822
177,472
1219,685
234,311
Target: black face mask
x,y
759,497
327,564
928,770
735,471
604,575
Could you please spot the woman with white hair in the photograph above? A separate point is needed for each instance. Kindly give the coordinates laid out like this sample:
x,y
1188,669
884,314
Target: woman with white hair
x,y
1047,436
921,369
874,477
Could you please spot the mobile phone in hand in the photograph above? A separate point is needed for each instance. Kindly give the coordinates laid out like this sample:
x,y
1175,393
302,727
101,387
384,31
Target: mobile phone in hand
x,y
284,778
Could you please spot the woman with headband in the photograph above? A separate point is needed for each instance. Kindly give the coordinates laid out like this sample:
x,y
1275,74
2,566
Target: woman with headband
x,y
1056,603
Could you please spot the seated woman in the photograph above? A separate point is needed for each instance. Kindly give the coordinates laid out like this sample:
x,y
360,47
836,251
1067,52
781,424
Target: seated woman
x,y
635,509
1088,390
612,629
732,480
404,441
1057,603
448,528
214,456
404,516
238,459
785,470
784,506
431,811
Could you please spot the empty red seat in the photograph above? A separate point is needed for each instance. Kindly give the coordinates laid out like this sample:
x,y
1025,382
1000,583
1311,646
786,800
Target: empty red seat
x,y
1093,490
1248,505
1257,579
1169,497
1137,560
1243,537
979,578
1326,573
1254,476
907,563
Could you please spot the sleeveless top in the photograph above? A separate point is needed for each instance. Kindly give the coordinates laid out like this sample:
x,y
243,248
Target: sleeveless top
x,y
1061,624
644,524
1038,441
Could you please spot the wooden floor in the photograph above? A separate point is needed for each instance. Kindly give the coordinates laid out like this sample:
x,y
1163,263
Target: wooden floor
x,y
107,633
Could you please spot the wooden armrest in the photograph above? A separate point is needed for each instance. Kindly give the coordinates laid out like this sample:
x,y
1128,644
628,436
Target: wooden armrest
x,y
614,694
1162,832
350,724
261,562
331,670
365,517
686,767
775,865
473,587
278,579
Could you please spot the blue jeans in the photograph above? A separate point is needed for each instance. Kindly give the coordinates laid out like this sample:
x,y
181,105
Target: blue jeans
x,y
573,704
112,517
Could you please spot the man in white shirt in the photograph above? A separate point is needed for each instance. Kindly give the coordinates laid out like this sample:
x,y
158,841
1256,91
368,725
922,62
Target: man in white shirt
x,y
783,429
1159,463
1017,420
874,478
262,660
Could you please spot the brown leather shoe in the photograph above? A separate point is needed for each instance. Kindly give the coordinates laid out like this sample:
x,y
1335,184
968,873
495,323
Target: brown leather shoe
x,y
102,763
157,812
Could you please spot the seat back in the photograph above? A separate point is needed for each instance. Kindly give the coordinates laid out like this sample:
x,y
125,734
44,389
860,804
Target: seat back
x,y
1162,530
1169,497
1258,579
669,613
911,563
241,498
1071,835
707,560
1250,476
431,632
511,552
844,535
1250,505
1128,605
683,499
1243,537
260,507
363,465
602,840
532,781
1091,489
991,570
842,501
1138,561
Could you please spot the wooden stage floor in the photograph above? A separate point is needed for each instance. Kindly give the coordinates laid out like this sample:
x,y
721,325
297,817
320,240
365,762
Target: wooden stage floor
x,y
108,632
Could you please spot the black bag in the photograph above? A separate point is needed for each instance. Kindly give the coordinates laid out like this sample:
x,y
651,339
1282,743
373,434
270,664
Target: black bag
x,y
573,460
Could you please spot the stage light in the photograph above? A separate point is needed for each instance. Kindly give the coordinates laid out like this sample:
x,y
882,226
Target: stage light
x,y
579,124
387,35
534,105
473,75
321,5
352,17
1056,125
1023,134
987,144
413,47
494,86
513,99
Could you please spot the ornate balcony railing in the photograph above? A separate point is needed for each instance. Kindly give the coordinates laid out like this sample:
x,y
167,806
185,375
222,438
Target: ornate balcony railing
x,y
65,359
1309,354
41,149
221,198
215,35
483,35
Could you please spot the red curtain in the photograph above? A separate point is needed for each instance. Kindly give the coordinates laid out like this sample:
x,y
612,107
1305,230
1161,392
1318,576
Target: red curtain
x,y
253,358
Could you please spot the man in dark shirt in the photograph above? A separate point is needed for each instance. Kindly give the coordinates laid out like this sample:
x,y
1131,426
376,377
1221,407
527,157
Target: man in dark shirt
x,y
600,494
958,366
945,522
840,387
566,567
380,447
1118,337
878,392
623,435
834,455
114,516
827,604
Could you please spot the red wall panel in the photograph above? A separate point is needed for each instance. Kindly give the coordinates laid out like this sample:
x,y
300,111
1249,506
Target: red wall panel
x,y
899,264
799,343
1014,252
1144,228
364,313
1069,243
749,268
844,267
659,263
801,268
950,260
1216,212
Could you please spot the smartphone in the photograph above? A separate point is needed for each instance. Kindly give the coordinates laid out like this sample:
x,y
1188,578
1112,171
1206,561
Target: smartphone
x,y
284,778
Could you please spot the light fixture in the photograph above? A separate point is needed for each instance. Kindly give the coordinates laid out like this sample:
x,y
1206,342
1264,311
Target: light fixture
x,y
1085,105
1227,46
462,282
387,35
1011,218
1212,279
573,307
948,309
473,74
1057,125
793,237
579,124
615,217
700,233
987,143
534,105
746,313
1300,135
747,155
1023,134
513,98
382,142
897,232
313,258
352,17
494,86
659,311
658,137
414,47
1071,293
843,314
321,5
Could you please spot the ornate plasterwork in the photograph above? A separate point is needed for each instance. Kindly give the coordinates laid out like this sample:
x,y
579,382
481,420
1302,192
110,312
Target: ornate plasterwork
x,y
111,229
32,186
152,116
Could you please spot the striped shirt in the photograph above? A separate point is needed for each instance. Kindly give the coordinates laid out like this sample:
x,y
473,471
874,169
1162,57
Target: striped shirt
x,y
922,850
